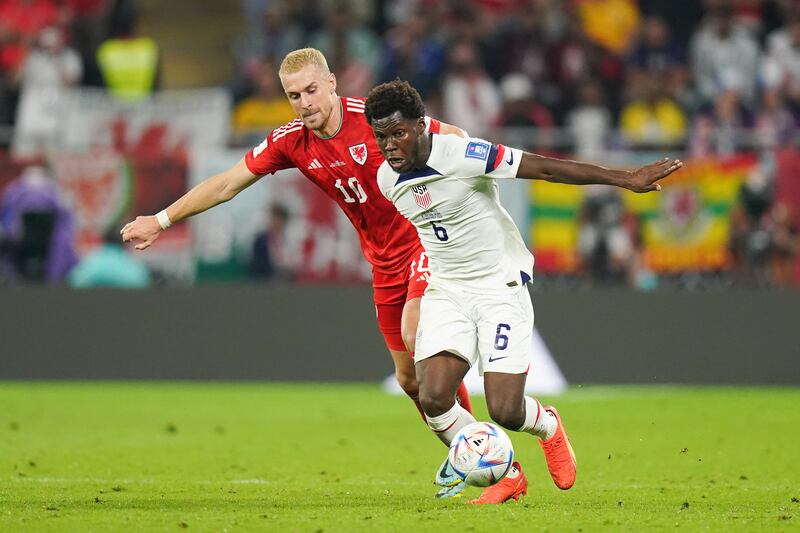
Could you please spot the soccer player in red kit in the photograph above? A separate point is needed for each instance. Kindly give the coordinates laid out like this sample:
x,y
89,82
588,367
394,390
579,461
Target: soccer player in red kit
x,y
332,144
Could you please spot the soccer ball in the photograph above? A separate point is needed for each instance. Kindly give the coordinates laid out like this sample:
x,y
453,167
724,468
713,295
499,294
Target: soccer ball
x,y
481,454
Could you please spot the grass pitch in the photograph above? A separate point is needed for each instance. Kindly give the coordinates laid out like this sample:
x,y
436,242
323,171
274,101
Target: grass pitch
x,y
326,458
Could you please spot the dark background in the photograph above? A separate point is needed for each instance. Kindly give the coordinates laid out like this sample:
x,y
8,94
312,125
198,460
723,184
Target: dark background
x,y
312,333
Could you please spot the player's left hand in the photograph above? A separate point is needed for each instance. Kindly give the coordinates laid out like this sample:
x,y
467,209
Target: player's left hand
x,y
644,179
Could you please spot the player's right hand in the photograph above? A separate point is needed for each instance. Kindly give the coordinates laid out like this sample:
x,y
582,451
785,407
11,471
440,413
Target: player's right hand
x,y
144,229
644,179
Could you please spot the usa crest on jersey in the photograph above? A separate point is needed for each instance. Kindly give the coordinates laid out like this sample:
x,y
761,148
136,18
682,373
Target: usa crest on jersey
x,y
422,197
359,153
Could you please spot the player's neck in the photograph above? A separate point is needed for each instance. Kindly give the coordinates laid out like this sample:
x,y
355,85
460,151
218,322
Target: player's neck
x,y
334,122
424,152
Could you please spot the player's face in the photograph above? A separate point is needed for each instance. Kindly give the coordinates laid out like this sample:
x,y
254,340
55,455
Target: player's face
x,y
312,94
399,140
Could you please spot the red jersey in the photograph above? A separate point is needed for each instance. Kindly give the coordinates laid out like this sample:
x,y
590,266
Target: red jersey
x,y
345,167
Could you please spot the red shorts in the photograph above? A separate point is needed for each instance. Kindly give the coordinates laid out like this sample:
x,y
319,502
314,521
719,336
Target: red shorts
x,y
391,291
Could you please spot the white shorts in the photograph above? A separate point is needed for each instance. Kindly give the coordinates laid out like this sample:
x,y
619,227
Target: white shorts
x,y
493,329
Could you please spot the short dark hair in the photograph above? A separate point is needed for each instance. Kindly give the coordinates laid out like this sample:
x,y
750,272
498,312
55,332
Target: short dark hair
x,y
397,95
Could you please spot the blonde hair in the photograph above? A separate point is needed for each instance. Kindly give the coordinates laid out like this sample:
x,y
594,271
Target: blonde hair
x,y
296,60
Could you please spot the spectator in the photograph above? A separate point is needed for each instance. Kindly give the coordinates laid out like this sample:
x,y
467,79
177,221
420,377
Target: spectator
x,y
751,239
470,97
610,23
651,118
87,28
354,51
519,45
129,64
38,228
719,128
266,109
657,51
775,125
722,54
49,70
605,247
109,266
271,258
573,60
521,110
785,246
783,60
589,123
413,54
21,22
277,35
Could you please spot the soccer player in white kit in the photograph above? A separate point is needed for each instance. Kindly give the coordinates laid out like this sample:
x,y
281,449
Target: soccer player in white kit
x,y
477,308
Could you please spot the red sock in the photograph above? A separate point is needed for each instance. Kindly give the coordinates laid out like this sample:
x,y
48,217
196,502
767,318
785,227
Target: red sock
x,y
463,398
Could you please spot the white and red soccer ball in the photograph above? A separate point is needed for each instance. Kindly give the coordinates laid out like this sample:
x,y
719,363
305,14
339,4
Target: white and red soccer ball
x,y
481,454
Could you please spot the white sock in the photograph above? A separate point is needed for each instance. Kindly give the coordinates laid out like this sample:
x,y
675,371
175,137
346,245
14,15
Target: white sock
x,y
446,425
538,422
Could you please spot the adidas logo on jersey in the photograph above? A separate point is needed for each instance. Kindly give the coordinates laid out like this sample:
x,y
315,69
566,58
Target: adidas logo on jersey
x,y
314,164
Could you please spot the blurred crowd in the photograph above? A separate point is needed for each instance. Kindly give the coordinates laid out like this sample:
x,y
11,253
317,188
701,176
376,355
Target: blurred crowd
x,y
48,46
712,76
591,77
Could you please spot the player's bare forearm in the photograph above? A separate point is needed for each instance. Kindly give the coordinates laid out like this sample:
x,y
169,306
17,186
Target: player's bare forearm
x,y
642,179
213,191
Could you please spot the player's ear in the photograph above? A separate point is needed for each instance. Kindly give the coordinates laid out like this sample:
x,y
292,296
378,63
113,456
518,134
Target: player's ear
x,y
332,82
421,125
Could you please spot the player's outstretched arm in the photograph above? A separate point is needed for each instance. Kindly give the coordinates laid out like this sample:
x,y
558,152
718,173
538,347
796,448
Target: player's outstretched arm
x,y
643,179
213,191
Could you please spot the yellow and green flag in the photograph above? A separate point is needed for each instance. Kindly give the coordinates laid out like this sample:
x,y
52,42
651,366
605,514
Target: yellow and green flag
x,y
685,227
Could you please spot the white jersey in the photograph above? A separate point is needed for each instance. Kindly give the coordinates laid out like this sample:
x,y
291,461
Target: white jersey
x,y
471,240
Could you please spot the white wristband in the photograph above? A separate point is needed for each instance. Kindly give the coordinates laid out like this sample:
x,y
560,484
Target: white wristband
x,y
163,219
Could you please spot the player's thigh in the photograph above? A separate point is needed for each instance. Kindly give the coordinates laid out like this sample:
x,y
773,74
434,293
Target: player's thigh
x,y
445,326
390,316
505,327
409,322
417,283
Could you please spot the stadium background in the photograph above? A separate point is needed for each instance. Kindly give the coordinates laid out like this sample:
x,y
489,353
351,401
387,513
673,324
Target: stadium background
x,y
89,141
178,404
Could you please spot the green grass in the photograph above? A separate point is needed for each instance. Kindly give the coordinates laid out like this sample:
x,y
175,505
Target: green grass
x,y
246,457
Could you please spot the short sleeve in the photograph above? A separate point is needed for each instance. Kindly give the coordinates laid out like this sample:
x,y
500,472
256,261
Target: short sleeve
x,y
268,157
471,157
433,125
503,161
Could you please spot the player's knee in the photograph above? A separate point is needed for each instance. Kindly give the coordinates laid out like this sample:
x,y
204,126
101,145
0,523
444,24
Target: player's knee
x,y
506,415
435,401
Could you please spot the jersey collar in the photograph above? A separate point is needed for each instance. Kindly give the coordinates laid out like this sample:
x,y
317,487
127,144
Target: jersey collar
x,y
424,172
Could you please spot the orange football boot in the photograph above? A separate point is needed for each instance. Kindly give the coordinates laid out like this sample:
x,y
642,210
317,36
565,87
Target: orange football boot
x,y
505,489
559,455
